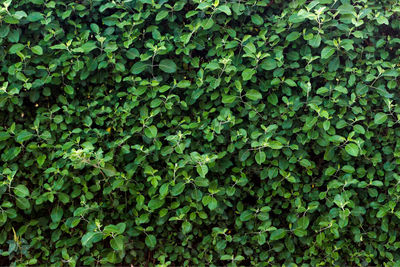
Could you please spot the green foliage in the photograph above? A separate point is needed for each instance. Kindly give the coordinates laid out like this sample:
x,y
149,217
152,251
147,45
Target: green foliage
x,y
199,133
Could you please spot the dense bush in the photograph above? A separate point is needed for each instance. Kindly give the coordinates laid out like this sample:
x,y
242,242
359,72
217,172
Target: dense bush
x,y
192,133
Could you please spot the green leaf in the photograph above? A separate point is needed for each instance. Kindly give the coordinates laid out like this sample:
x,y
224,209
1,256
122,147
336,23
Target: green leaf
x,y
16,48
156,203
202,170
228,99
115,229
247,74
293,36
150,241
4,136
186,227
290,82
138,67
380,118
269,64
161,15
151,131
253,95
56,214
246,215
117,243
178,189
213,204
260,157
315,41
275,145
37,50
303,222
352,149
23,203
327,52
167,66
21,191
225,9
257,19
34,16
91,237
277,234
273,99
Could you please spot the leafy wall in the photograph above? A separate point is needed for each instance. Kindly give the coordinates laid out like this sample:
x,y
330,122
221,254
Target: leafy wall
x,y
199,133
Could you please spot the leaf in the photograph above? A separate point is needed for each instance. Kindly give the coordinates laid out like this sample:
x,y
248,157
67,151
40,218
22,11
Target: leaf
x,y
303,222
23,136
116,229
253,95
21,191
156,203
257,19
4,136
277,234
228,99
151,131
56,214
225,9
275,145
16,48
34,16
117,243
315,41
202,170
327,52
91,237
246,215
269,64
167,66
290,82
380,118
109,170
247,74
186,227
138,67
260,157
178,189
352,149
273,99
37,50
161,15
293,36
213,204
23,203
150,241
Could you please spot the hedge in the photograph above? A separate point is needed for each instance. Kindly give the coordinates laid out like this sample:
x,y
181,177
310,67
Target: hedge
x,y
199,133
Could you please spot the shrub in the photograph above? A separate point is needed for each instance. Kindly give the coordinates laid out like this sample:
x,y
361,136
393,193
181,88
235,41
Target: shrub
x,y
194,133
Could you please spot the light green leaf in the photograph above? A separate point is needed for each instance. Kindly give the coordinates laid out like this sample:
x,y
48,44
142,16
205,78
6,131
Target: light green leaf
x,y
277,234
138,67
21,191
327,52
246,215
247,74
151,131
380,118
260,157
37,50
167,65
254,95
117,243
352,149
150,241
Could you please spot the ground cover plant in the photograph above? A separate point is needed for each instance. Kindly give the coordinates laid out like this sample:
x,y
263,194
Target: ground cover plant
x,y
199,133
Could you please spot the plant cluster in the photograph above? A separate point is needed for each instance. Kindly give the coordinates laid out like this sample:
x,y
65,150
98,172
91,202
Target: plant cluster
x,y
199,132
